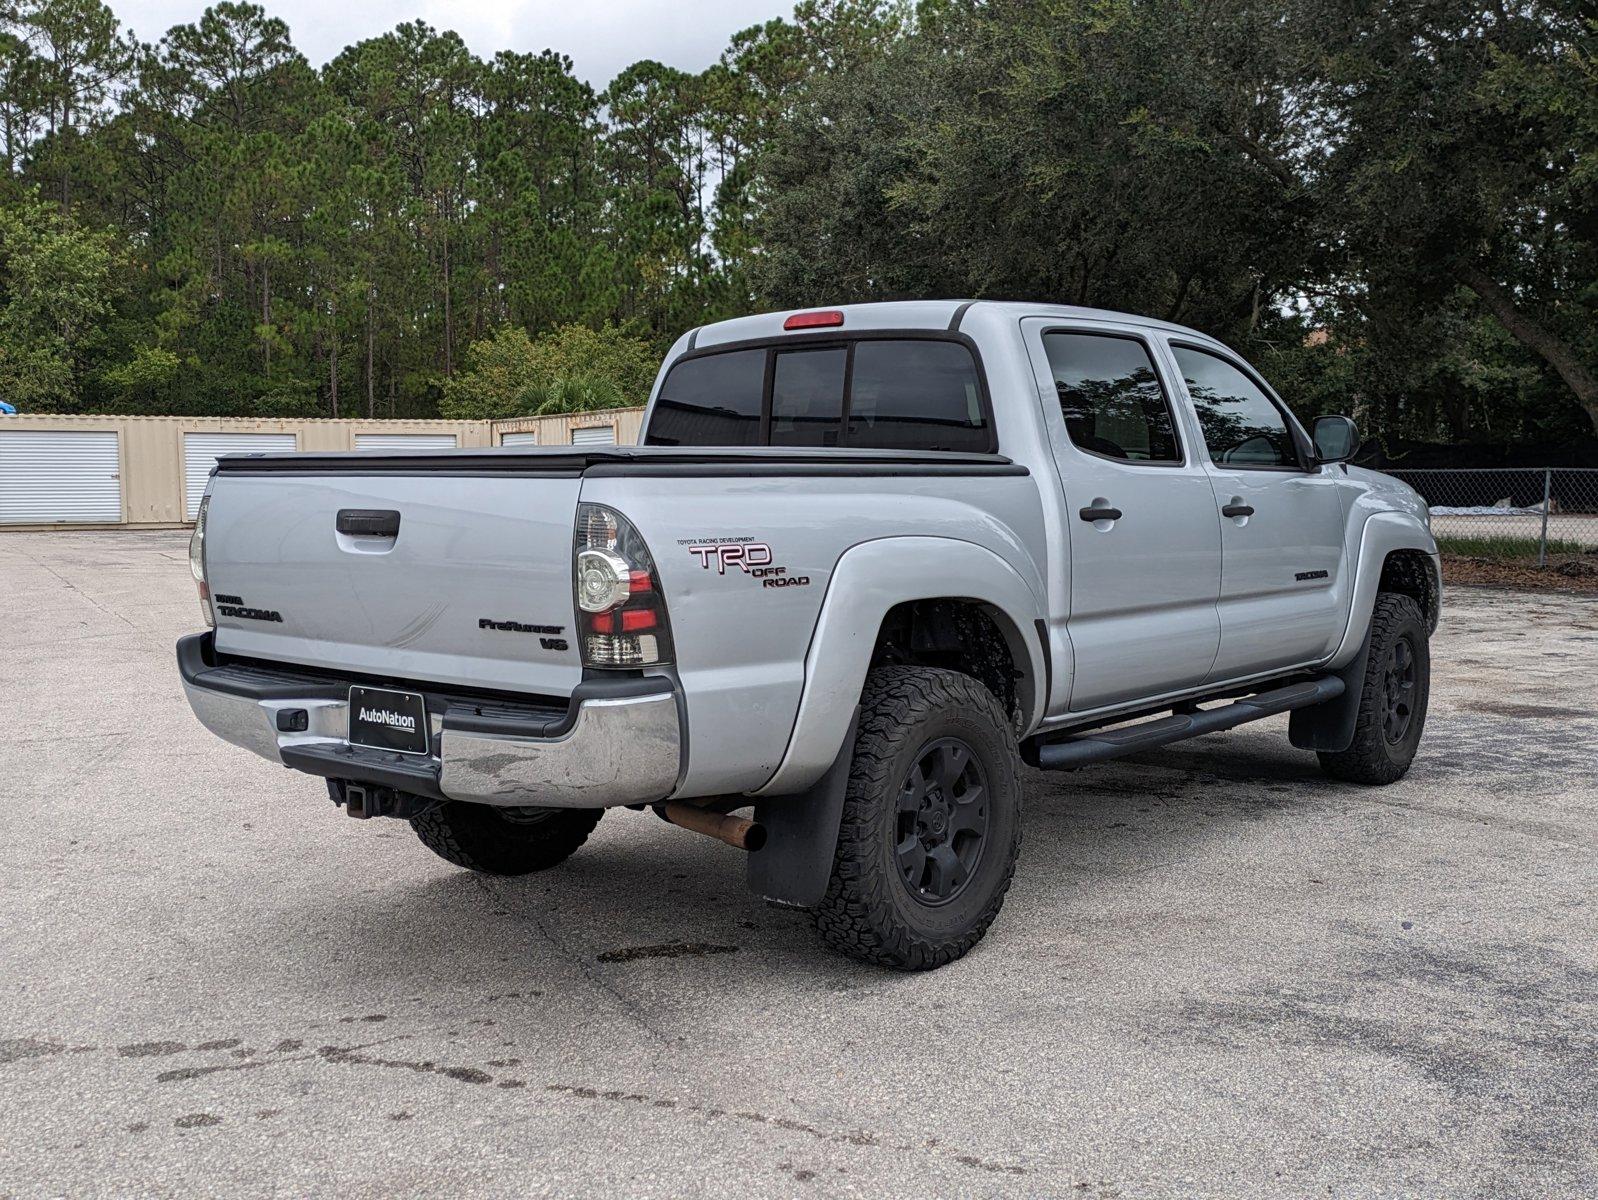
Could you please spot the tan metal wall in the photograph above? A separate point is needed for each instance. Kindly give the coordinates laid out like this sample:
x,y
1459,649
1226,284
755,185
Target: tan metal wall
x,y
152,447
557,431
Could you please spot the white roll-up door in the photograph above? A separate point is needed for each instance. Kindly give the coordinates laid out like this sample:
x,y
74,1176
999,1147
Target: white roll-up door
x,y
405,441
594,435
201,450
529,438
49,476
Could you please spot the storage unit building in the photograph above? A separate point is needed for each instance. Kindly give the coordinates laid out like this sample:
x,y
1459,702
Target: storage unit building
x,y
405,441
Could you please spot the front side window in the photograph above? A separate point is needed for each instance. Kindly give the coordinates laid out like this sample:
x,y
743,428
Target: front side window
x,y
879,393
1242,427
1111,398
711,401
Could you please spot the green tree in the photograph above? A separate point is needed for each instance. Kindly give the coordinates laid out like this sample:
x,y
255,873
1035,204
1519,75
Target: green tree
x,y
1465,138
80,55
1112,154
501,374
570,369
53,276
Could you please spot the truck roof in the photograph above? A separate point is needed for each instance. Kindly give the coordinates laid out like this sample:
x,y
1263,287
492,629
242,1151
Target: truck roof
x,y
918,314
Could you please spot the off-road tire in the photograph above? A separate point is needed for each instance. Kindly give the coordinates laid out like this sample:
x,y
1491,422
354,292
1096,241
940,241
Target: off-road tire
x,y
487,840
869,911
1374,757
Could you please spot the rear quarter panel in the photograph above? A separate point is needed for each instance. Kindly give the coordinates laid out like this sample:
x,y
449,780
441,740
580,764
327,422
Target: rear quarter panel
x,y
741,644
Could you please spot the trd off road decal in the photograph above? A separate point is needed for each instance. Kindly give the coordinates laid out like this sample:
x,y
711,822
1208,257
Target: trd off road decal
x,y
744,554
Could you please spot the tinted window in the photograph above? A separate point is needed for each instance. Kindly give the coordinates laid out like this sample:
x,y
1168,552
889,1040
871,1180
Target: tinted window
x,y
1242,427
916,395
711,401
1111,398
807,397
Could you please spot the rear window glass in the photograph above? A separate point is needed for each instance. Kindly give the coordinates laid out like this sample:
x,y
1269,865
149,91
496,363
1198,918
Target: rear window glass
x,y
807,397
916,395
711,401
898,394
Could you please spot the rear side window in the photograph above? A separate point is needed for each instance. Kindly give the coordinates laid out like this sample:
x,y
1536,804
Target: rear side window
x,y
1111,398
1242,427
711,401
878,393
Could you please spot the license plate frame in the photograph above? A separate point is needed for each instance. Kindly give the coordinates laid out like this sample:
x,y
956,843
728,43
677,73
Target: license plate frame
x,y
388,731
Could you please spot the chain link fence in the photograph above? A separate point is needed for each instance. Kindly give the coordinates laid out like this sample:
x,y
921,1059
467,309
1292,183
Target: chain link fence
x,y
1518,513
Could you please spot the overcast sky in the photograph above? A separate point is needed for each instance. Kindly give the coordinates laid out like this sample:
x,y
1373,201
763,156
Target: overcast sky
x,y
602,36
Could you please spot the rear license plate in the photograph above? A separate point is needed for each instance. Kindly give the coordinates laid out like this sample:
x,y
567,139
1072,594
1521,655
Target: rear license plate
x,y
387,720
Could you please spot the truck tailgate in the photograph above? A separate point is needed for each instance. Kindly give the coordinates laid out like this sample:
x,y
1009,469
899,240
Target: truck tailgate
x,y
475,588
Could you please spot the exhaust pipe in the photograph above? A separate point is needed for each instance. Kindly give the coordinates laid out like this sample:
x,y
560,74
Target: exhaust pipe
x,y
738,832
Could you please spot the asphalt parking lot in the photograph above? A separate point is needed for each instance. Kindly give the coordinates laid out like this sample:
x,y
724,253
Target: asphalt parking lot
x,y
1217,974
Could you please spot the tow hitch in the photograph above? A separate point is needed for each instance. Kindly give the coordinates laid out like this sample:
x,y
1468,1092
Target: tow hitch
x,y
365,800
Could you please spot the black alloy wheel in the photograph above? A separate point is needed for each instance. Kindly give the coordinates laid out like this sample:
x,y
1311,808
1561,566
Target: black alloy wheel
x,y
1398,691
942,821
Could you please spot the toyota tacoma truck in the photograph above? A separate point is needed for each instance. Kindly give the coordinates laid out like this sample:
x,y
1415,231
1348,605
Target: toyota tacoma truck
x,y
866,563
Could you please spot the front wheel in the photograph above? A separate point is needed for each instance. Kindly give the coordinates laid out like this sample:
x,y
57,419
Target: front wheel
x,y
504,841
931,822
1393,697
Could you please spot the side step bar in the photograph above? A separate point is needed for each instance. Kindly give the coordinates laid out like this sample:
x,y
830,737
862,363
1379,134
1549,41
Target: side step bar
x,y
1101,744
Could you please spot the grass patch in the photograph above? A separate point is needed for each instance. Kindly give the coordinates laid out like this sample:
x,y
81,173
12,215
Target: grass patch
x,y
1504,547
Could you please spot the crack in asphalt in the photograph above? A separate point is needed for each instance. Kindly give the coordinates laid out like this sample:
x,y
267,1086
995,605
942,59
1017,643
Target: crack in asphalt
x,y
288,1050
627,1008
851,1137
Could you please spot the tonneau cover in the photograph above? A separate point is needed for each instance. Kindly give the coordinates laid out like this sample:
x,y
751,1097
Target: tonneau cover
x,y
574,460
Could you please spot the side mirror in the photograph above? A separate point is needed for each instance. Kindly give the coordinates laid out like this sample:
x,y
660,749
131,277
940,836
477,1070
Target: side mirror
x,y
1336,438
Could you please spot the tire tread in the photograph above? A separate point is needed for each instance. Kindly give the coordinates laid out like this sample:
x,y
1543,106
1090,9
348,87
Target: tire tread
x,y
857,916
473,836
1368,759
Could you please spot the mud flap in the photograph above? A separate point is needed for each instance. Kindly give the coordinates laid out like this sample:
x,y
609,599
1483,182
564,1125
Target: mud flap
x,y
794,865
1329,727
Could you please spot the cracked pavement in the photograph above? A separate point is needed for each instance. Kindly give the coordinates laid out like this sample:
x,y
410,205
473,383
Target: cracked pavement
x,y
1217,974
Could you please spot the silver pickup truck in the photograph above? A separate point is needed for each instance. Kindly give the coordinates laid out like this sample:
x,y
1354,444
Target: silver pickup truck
x,y
867,562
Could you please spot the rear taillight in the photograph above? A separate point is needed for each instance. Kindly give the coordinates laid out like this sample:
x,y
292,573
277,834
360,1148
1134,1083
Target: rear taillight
x,y
621,614
197,561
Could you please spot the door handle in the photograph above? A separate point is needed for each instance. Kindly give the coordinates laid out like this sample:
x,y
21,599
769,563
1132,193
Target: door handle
x,y
368,522
1100,514
1238,510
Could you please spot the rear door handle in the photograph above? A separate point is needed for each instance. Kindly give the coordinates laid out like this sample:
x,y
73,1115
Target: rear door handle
x,y
368,522
1100,514
1238,510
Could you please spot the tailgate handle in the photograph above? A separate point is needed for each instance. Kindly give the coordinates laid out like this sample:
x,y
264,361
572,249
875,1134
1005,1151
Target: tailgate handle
x,y
369,522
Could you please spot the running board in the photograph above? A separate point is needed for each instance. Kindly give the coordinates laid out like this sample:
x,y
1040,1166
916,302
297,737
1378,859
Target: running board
x,y
1101,744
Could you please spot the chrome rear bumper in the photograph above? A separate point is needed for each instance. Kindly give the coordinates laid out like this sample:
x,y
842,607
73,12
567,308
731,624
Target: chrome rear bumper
x,y
616,744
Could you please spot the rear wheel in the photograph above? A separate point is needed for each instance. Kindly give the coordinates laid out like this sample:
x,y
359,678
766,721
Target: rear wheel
x,y
931,822
504,841
1392,701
